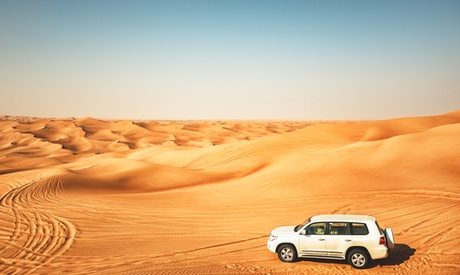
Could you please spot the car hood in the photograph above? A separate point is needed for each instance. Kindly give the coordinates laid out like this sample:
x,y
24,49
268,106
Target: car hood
x,y
283,230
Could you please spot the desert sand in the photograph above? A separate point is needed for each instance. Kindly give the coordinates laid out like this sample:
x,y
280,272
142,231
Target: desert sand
x,y
92,196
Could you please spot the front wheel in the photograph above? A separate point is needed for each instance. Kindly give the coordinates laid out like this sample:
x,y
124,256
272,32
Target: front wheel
x,y
287,253
358,258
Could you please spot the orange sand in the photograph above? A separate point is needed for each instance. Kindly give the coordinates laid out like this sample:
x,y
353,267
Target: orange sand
x,y
88,196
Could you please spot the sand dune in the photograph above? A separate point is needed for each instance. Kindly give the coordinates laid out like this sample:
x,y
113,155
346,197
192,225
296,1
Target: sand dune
x,y
82,196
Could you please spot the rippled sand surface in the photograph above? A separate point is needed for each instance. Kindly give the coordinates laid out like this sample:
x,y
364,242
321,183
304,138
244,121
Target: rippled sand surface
x,y
89,196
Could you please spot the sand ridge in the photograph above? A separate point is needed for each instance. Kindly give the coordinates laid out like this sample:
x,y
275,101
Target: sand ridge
x,y
200,197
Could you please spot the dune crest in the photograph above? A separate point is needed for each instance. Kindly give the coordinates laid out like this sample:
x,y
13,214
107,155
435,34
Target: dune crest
x,y
152,197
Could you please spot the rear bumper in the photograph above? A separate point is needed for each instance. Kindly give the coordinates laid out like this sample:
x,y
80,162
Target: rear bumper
x,y
380,252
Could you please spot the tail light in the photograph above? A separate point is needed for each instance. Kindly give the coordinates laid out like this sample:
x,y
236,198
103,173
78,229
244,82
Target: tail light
x,y
382,240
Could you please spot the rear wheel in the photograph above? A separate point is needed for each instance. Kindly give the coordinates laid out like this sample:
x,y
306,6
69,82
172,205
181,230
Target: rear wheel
x,y
287,253
358,258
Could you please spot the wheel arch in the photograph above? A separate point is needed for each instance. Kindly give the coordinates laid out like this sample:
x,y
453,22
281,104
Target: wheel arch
x,y
357,247
289,243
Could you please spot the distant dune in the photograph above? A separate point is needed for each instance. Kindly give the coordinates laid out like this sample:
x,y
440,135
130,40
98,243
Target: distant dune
x,y
89,196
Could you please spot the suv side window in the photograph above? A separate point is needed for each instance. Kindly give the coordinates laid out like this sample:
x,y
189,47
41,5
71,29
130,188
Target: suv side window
x,y
338,228
359,229
316,228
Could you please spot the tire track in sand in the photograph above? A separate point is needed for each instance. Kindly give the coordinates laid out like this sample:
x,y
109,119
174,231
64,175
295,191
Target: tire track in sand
x,y
36,236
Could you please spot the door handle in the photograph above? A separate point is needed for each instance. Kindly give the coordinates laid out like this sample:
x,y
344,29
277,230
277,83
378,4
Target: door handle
x,y
321,239
348,240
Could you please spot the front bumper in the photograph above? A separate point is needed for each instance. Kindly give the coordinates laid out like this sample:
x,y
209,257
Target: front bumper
x,y
271,246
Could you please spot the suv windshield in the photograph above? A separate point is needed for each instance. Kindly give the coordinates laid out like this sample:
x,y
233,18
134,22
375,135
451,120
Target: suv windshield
x,y
297,228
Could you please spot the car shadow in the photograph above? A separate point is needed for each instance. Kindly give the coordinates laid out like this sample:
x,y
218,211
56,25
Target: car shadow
x,y
398,255
323,261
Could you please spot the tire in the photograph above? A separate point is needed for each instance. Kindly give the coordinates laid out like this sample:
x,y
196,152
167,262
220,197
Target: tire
x,y
358,258
390,238
287,253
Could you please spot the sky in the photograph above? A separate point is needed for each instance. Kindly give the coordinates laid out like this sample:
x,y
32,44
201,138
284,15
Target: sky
x,y
218,59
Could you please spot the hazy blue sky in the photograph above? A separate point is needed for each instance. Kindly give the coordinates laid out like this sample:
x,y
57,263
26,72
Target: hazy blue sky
x,y
229,59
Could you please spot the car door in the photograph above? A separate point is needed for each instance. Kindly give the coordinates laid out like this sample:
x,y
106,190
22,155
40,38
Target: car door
x,y
338,239
313,242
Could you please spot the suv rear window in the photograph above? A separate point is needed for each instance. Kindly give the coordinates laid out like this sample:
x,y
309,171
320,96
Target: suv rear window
x,y
378,226
359,229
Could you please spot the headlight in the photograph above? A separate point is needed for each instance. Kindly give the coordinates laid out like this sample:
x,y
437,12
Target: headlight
x,y
272,238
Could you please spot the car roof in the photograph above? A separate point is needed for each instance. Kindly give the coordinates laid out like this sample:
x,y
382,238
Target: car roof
x,y
342,218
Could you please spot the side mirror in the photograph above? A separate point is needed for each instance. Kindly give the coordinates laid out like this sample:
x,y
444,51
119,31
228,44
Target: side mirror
x,y
303,232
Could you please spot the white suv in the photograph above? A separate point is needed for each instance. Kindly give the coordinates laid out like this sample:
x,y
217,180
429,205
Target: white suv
x,y
356,238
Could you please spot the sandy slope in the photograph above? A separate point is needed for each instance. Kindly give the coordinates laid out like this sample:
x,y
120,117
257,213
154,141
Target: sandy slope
x,y
85,196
